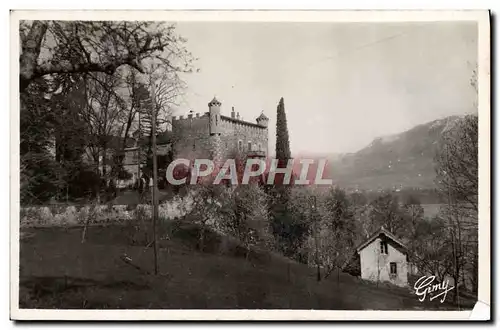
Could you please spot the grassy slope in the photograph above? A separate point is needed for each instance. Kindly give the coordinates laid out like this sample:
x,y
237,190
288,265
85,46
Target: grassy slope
x,y
57,271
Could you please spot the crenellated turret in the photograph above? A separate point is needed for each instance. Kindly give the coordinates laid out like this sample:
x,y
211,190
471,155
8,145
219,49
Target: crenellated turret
x,y
214,113
262,120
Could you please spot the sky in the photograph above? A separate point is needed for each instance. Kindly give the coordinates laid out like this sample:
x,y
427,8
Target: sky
x,y
343,84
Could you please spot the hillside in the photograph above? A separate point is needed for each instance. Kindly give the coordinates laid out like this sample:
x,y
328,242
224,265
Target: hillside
x,y
58,271
397,161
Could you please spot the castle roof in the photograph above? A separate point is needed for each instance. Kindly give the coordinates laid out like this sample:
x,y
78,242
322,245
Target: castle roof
x,y
214,102
239,121
262,116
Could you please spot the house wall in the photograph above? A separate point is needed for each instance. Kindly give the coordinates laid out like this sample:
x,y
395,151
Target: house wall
x,y
376,266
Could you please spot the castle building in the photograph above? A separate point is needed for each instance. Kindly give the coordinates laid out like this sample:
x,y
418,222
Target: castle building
x,y
211,135
218,137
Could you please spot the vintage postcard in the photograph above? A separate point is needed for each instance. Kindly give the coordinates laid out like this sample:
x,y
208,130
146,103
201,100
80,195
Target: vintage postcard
x,y
250,165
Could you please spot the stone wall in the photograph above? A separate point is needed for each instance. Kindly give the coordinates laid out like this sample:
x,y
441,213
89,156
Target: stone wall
x,y
38,216
234,131
192,137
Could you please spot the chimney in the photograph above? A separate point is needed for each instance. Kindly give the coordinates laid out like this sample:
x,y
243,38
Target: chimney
x,y
232,112
238,115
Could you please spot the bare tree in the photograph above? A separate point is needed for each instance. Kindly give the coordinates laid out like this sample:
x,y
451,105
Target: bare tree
x,y
103,115
457,176
52,47
385,211
457,164
430,249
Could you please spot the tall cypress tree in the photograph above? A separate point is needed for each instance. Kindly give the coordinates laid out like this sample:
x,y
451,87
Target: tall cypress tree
x,y
282,139
284,228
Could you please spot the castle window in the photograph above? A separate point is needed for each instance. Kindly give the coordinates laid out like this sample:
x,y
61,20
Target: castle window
x,y
260,147
249,145
240,145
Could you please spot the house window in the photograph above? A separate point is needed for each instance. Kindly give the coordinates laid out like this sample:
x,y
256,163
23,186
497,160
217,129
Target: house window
x,y
394,268
383,247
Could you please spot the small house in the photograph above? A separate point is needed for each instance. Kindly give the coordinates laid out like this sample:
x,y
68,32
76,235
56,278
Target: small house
x,y
384,258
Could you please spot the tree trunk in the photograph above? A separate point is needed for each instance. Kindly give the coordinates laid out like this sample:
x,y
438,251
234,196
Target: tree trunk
x,y
247,252
155,180
85,226
201,241
104,162
98,187
338,278
30,52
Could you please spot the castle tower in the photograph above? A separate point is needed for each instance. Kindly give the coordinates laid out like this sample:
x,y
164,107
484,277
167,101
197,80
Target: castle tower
x,y
262,120
215,130
214,114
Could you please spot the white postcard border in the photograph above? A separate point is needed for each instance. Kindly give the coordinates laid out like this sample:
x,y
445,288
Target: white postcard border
x,y
482,18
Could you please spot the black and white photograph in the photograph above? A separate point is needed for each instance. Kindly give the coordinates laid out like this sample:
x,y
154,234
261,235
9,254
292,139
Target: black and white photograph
x,y
235,164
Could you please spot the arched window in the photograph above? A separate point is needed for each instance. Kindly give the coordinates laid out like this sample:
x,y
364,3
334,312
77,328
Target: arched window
x,y
240,145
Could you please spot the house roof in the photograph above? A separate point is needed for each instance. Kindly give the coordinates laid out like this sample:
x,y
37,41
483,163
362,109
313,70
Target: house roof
x,y
381,232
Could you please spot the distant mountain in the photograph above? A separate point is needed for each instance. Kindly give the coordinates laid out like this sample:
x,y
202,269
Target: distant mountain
x,y
404,160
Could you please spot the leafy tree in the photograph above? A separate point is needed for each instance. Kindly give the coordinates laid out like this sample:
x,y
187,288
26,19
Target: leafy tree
x,y
246,217
295,228
39,169
332,239
210,202
71,134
